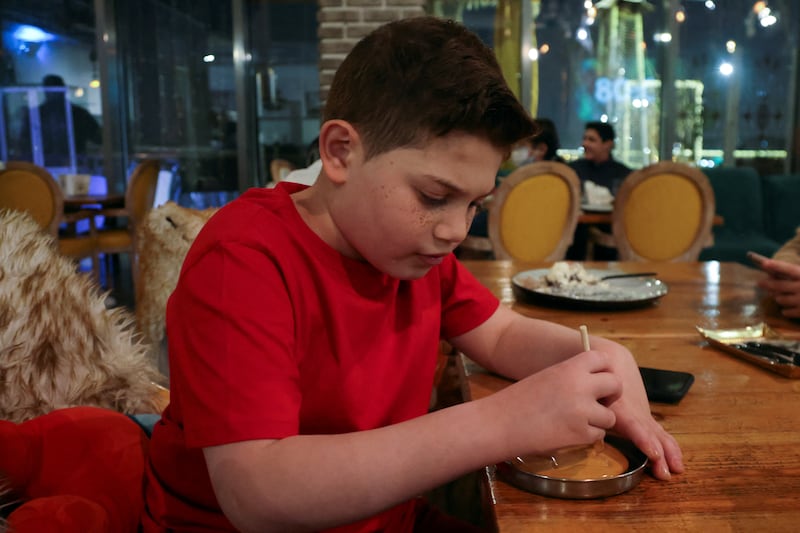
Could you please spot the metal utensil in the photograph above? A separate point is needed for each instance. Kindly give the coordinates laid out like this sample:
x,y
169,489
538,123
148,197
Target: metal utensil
x,y
630,275
775,353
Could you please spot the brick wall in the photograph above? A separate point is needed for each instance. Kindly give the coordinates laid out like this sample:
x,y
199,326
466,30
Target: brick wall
x,y
342,23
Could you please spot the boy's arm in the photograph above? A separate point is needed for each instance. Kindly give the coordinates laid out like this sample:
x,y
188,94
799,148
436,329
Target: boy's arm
x,y
515,346
309,482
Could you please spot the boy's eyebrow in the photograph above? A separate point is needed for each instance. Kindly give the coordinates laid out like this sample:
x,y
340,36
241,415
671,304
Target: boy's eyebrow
x,y
455,188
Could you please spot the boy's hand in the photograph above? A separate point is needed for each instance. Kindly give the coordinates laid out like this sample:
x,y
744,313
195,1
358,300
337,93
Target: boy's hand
x,y
562,405
635,422
783,284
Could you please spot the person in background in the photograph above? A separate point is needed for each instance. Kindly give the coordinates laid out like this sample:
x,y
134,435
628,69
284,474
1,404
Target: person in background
x,y
598,164
305,326
541,146
53,121
783,283
309,174
599,167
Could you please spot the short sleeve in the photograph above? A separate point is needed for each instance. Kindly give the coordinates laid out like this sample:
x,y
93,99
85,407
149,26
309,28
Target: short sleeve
x,y
230,330
466,303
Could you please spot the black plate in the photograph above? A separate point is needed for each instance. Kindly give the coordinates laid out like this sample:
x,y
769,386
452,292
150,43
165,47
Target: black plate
x,y
623,293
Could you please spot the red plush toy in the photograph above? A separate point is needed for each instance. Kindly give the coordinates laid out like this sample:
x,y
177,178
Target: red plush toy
x,y
74,470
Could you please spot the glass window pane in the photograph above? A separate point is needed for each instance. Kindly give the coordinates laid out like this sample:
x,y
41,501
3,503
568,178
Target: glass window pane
x,y
181,95
285,60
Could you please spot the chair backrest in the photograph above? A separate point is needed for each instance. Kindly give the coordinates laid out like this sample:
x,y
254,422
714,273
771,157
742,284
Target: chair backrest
x,y
663,212
279,169
141,190
28,187
534,212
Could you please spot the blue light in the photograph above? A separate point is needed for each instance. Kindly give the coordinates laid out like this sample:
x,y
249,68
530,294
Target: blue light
x,y
32,34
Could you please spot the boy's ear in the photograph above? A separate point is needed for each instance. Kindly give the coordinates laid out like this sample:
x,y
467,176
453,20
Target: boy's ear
x,y
339,148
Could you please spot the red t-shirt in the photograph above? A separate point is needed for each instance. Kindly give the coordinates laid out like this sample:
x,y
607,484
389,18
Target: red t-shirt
x,y
273,333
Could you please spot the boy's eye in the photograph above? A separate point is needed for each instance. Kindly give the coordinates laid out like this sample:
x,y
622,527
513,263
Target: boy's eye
x,y
434,201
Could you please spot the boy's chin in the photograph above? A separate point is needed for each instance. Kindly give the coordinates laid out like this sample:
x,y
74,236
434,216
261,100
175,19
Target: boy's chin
x,y
406,272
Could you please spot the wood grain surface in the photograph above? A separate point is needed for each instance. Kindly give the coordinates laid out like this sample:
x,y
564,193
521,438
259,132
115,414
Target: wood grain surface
x,y
738,426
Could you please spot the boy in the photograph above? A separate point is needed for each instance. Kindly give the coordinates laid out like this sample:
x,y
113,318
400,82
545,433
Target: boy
x,y
304,329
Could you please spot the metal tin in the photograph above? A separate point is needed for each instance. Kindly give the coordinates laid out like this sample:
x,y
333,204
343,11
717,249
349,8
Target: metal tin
x,y
580,489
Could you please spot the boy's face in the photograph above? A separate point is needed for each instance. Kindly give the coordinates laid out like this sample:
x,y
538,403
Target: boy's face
x,y
594,147
404,210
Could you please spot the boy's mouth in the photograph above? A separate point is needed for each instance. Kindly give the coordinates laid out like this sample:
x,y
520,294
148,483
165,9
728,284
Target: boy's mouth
x,y
432,260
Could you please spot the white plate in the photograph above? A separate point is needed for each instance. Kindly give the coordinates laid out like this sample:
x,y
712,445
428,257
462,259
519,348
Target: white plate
x,y
597,208
621,293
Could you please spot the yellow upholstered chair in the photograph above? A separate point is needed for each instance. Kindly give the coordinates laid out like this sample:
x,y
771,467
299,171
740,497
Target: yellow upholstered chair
x,y
534,212
139,197
663,212
28,187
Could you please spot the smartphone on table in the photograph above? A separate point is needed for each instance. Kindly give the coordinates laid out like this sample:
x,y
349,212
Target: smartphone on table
x,y
665,386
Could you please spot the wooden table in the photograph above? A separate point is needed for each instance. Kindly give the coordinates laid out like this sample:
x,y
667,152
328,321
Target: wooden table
x,y
739,425
83,201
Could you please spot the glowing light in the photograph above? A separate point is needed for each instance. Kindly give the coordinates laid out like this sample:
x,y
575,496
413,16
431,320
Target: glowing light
x,y
533,54
587,4
209,58
544,48
725,68
32,34
663,37
582,34
603,118
730,46
94,84
636,103
758,7
710,5
680,15
767,20
79,92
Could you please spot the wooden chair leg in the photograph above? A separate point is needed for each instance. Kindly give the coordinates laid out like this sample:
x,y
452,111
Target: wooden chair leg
x,y
108,260
96,267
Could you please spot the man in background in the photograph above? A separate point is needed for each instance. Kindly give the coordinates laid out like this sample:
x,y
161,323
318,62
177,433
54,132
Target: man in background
x,y
53,122
597,164
599,167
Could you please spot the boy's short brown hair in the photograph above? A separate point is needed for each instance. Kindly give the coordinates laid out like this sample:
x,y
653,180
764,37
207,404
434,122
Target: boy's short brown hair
x,y
420,78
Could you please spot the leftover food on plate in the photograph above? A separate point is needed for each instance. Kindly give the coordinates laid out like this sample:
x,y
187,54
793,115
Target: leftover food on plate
x,y
564,275
569,284
597,194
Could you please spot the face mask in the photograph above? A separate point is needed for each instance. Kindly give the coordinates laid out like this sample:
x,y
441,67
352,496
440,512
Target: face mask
x,y
519,155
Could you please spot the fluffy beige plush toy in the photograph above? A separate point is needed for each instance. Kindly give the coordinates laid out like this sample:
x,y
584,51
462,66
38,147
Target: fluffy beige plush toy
x,y
162,242
59,345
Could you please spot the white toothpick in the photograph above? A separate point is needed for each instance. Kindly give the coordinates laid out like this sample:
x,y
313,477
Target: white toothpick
x,y
585,338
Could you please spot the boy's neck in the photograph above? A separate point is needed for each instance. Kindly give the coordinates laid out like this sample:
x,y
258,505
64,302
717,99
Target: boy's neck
x,y
313,209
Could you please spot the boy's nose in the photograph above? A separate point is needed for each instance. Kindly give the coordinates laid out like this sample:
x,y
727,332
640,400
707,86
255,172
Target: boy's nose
x,y
453,227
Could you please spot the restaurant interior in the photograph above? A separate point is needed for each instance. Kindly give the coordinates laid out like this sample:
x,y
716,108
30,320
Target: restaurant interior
x,y
194,102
